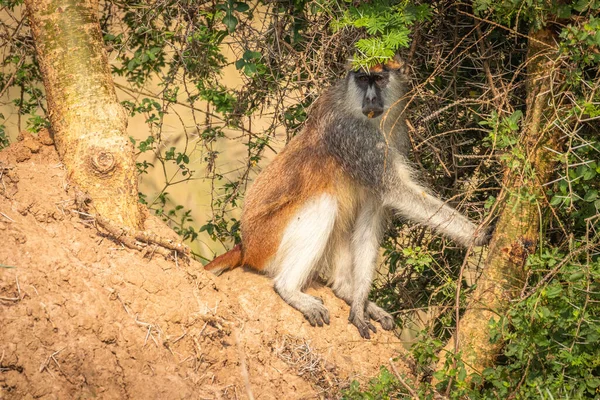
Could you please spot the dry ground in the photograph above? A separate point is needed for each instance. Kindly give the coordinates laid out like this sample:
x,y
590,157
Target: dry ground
x,y
83,317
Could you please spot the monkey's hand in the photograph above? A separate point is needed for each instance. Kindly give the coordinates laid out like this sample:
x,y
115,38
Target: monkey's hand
x,y
484,236
362,324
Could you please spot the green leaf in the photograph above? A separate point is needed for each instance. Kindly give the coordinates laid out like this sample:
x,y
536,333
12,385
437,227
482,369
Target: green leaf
x,y
250,69
589,173
581,5
462,374
240,7
439,375
553,291
230,22
396,39
593,382
252,55
240,63
556,200
591,196
575,276
563,11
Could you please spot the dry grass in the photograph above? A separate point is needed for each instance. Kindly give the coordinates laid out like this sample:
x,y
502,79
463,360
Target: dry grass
x,y
308,363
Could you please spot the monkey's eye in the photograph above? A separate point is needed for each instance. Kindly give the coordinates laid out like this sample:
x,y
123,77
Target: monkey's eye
x,y
363,78
379,79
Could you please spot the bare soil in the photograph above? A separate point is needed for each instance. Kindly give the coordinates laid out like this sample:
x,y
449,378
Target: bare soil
x,y
83,317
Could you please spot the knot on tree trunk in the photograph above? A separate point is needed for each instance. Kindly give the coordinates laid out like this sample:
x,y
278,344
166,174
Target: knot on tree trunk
x,y
518,251
102,161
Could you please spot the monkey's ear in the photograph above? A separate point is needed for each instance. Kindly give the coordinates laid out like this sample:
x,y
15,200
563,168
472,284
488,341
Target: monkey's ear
x,y
395,64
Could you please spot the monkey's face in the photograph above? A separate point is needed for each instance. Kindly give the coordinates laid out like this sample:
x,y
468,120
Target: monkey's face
x,y
370,88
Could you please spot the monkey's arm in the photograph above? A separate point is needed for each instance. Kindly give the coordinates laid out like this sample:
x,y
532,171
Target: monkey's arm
x,y
415,203
369,160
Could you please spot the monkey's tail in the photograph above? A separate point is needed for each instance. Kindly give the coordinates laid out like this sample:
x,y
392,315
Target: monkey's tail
x,y
230,260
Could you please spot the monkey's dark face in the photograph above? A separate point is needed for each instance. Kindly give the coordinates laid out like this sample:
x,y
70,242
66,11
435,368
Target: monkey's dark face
x,y
372,87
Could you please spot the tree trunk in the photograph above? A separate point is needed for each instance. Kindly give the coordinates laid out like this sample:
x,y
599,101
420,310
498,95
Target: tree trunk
x,y
88,123
517,231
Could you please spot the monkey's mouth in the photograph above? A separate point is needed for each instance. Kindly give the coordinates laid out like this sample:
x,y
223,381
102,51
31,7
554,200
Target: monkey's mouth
x,y
372,113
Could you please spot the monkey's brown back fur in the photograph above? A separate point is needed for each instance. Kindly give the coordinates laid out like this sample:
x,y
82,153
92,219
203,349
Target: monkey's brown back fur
x,y
304,169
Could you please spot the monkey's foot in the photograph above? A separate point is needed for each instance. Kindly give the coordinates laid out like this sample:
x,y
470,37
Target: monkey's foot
x,y
314,311
362,324
311,307
378,314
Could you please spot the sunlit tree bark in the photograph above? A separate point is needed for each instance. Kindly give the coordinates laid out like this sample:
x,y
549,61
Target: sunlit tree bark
x,y
517,231
88,123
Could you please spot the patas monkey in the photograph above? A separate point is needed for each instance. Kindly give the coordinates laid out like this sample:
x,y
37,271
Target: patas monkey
x,y
319,206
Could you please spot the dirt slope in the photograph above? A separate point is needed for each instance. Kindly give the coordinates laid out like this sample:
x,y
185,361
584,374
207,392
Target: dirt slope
x,y
83,317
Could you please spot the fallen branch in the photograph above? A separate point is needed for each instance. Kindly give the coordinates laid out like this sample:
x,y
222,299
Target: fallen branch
x,y
140,240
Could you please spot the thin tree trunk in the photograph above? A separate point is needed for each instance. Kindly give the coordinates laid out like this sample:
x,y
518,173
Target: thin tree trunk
x,y
88,123
517,231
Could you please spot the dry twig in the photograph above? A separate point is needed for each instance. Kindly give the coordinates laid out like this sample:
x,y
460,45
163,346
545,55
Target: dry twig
x,y
140,240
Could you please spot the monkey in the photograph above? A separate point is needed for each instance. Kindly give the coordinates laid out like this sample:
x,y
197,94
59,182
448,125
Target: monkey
x,y
320,206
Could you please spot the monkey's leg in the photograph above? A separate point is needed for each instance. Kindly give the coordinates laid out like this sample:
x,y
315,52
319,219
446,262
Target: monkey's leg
x,y
302,247
342,283
416,204
365,245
